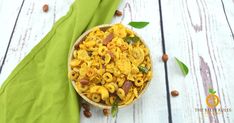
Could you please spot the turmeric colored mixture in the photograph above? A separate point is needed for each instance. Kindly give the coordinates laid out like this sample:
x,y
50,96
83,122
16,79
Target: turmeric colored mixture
x,y
111,63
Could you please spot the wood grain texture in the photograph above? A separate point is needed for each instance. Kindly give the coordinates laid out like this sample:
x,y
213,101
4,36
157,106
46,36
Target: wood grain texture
x,y
228,10
198,34
33,24
8,21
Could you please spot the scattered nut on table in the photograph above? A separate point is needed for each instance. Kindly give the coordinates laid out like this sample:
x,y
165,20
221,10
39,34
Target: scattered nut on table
x,y
165,57
118,13
106,112
85,106
45,8
87,113
174,93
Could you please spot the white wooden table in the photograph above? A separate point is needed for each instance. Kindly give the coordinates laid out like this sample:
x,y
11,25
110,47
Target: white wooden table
x,y
199,32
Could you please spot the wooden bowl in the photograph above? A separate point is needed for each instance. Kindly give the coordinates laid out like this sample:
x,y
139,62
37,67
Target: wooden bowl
x,y
103,27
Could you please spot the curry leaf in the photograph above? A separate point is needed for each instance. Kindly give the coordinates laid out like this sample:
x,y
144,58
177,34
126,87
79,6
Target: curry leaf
x,y
182,66
139,25
143,69
114,108
131,40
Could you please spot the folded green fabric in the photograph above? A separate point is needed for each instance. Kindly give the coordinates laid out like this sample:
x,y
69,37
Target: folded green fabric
x,y
38,90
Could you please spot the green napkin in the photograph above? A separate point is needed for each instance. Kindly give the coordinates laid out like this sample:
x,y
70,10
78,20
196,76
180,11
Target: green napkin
x,y
38,90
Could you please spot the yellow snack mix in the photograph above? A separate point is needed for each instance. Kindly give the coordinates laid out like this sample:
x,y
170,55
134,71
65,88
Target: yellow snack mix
x,y
107,59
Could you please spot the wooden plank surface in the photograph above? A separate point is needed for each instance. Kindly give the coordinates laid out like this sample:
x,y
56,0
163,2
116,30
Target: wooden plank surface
x,y
198,32
228,10
7,23
33,24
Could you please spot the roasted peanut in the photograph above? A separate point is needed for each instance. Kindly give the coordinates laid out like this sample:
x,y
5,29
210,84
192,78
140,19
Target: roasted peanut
x,y
84,82
87,113
174,93
85,106
118,13
126,86
106,112
45,8
108,38
165,57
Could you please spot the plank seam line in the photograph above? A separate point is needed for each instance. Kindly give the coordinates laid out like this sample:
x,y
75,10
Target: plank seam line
x,y
165,64
227,19
12,33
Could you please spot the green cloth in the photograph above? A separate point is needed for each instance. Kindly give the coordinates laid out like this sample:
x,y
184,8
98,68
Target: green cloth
x,y
38,90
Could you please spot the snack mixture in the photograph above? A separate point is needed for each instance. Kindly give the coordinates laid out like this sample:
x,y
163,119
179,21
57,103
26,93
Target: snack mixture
x,y
110,63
